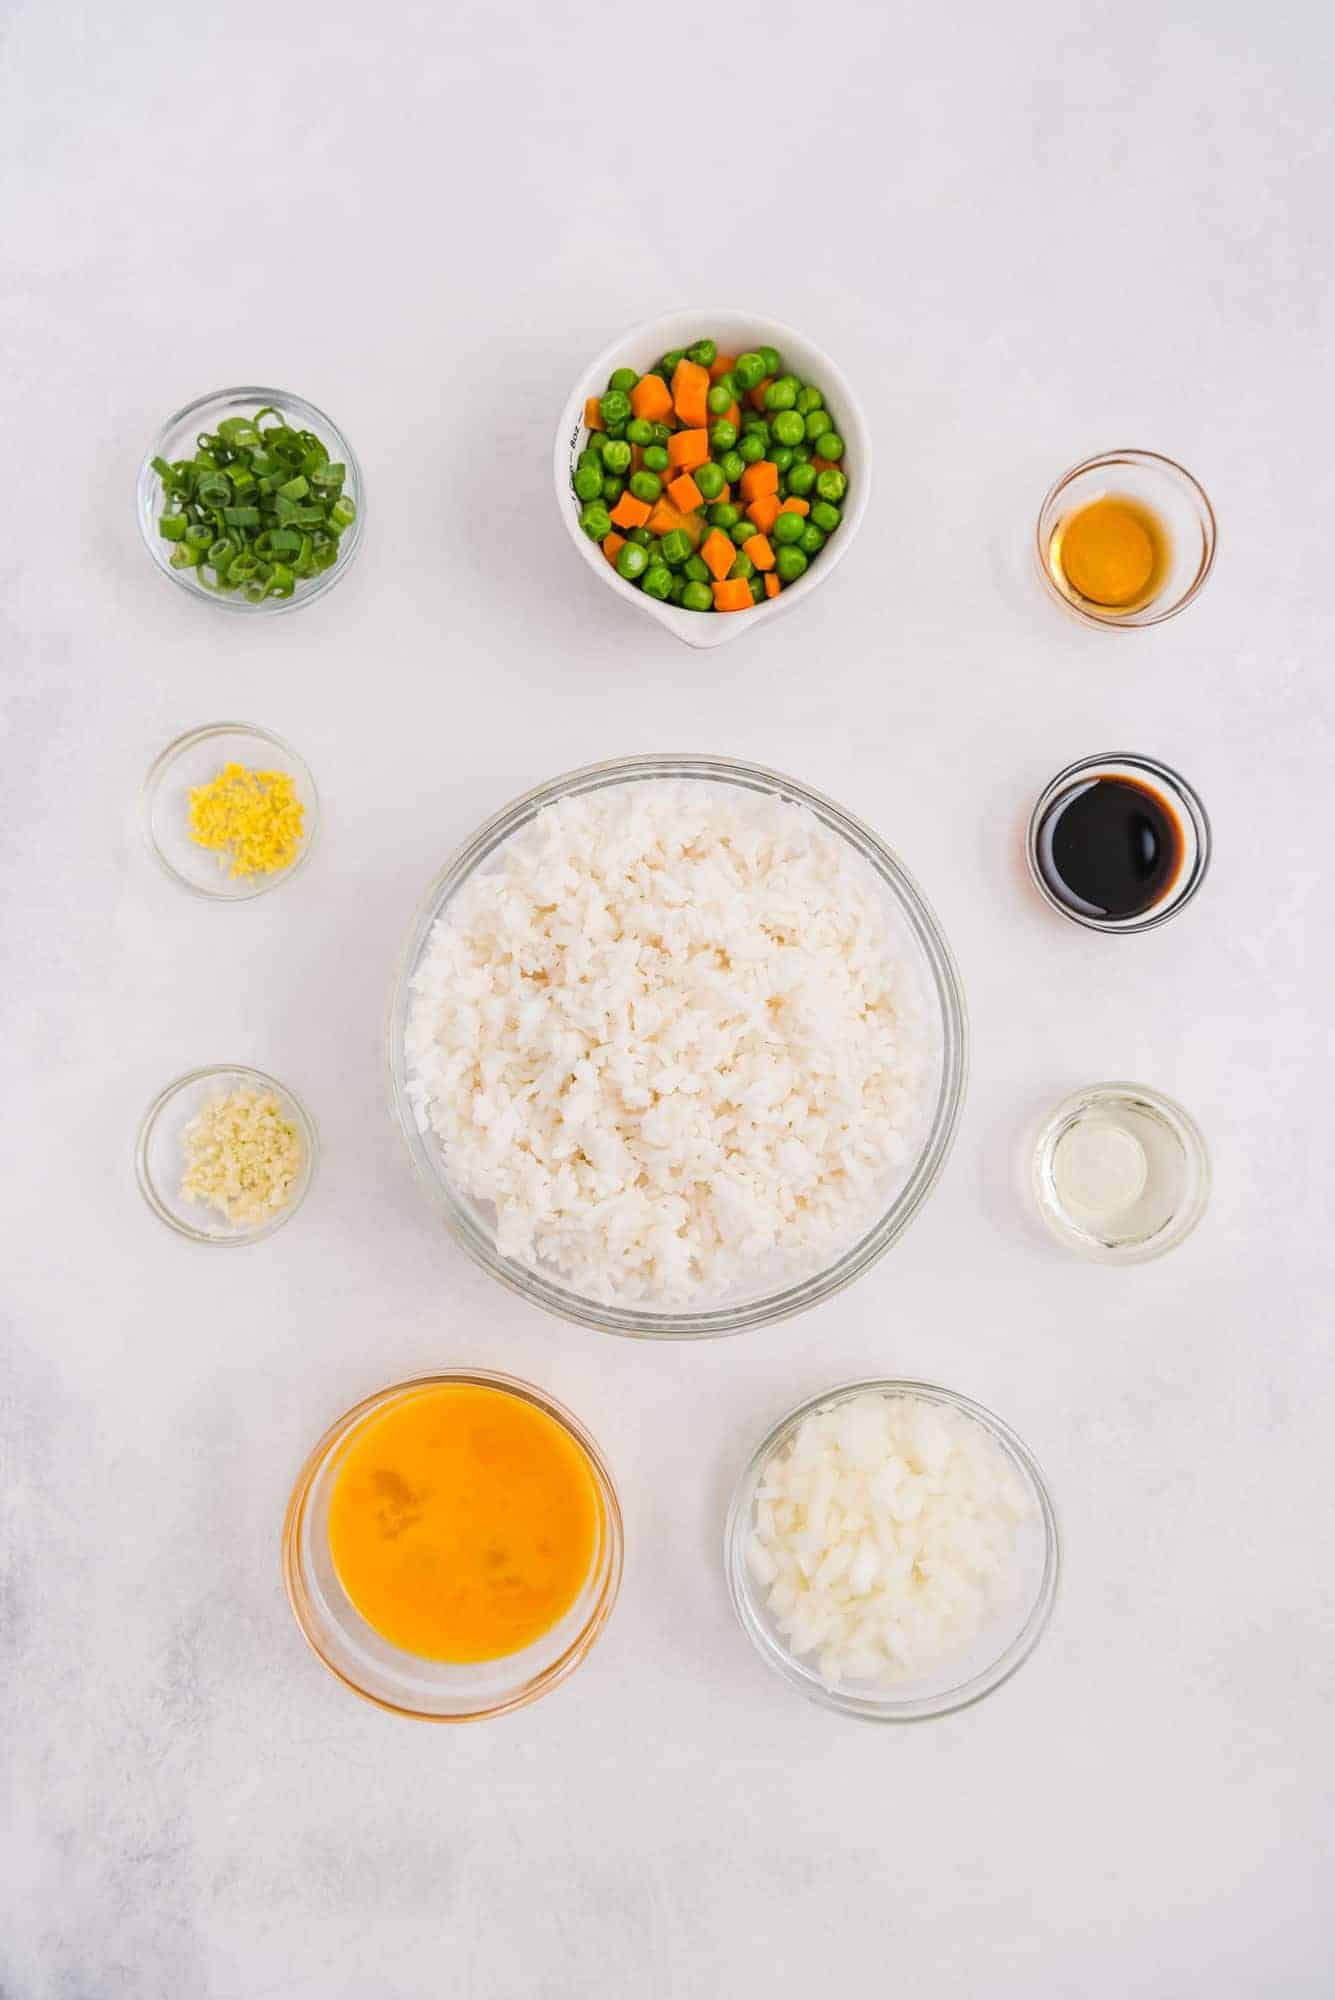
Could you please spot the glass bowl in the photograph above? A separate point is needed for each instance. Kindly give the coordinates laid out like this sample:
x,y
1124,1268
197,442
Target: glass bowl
x,y
194,759
436,1690
1176,1183
177,439
473,1223
1004,1644
1183,806
158,1154
1168,490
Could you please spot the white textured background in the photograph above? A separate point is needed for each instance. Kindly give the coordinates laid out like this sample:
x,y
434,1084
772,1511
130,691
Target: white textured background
x,y
1027,232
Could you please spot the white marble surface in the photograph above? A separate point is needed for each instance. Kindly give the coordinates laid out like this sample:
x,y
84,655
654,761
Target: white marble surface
x,y
1027,233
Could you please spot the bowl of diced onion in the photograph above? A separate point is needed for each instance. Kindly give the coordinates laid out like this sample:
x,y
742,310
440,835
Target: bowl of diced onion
x,y
892,1550
519,1122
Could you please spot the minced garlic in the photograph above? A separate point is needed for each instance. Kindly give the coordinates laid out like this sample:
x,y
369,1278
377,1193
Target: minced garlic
x,y
252,819
242,1157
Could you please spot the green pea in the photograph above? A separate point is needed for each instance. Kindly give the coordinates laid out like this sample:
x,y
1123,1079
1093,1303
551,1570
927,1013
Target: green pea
x,y
613,490
790,563
733,465
640,535
588,482
787,528
614,407
710,480
595,521
752,421
646,486
781,395
816,423
802,452
653,548
719,400
722,436
788,427
770,357
831,484
676,548
808,399
669,362
724,515
704,353
678,586
697,597
756,585
655,458
782,456
741,531
657,581
751,448
616,456
591,454
729,382
748,369
825,516
622,379
631,561
696,569
640,431
811,541
615,431
831,445
801,478
742,565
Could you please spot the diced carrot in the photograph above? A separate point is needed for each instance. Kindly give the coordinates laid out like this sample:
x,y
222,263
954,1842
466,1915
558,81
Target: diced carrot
x,y
630,512
760,552
733,416
667,515
719,552
762,477
720,365
687,449
726,494
651,399
690,387
772,584
792,505
734,595
610,544
593,416
822,464
757,398
764,512
636,457
686,493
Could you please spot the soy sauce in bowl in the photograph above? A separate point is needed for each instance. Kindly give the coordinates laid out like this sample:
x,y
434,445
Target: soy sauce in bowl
x,y
1118,843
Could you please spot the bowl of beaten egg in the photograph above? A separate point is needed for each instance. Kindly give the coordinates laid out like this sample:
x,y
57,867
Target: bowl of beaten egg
x,y
735,332
676,1047
453,1546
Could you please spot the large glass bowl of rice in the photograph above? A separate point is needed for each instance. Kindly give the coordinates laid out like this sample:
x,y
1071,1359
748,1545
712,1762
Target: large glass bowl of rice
x,y
676,1046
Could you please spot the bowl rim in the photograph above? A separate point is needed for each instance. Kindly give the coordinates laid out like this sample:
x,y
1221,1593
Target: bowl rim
x,y
238,1238
889,1708
693,628
574,1654
157,771
876,1239
148,488
1178,473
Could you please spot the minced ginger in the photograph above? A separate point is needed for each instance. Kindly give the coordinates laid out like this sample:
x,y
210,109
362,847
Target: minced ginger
x,y
242,1157
252,819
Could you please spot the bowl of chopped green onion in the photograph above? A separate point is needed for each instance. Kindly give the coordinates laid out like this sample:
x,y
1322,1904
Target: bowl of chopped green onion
x,y
253,499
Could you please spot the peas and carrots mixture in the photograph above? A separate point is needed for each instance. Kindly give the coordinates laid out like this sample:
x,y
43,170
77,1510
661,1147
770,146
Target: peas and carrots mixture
x,y
713,480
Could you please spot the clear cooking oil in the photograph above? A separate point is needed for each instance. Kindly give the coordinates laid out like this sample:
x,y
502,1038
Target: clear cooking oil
x,y
1120,1173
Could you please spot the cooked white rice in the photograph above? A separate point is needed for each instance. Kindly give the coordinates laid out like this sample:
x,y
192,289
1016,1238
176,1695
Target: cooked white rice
x,y
679,1038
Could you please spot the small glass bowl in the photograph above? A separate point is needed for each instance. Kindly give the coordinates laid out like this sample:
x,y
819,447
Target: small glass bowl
x,y
1184,806
177,439
1177,1185
1168,490
159,1157
406,1683
194,759
474,1224
1004,1644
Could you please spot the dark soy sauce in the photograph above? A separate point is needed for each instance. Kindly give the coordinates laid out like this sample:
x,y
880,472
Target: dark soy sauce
x,y
1109,848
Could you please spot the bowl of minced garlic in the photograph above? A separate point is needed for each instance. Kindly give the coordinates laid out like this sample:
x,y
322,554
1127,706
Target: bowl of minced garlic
x,y
225,1155
229,811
